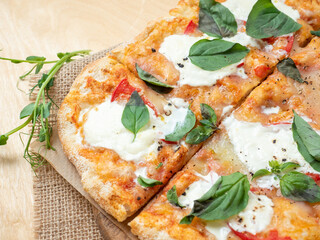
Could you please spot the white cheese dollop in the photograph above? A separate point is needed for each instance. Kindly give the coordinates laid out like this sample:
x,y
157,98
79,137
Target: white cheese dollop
x,y
103,128
219,229
256,145
255,217
271,110
242,11
176,49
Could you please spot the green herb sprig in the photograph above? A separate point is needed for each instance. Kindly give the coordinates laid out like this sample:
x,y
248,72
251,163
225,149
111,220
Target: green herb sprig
x,y
39,111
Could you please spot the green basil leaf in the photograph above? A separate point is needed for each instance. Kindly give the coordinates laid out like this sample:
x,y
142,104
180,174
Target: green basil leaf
x,y
299,187
275,166
153,82
35,58
308,141
216,20
265,21
289,69
173,197
159,165
316,33
135,114
182,128
288,166
208,114
227,197
261,173
212,55
147,182
3,139
27,111
200,134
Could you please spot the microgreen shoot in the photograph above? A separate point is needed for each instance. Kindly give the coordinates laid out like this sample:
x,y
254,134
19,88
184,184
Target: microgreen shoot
x,y
38,113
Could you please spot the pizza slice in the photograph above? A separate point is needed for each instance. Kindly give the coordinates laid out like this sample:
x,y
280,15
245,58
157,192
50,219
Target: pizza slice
x,y
259,176
174,52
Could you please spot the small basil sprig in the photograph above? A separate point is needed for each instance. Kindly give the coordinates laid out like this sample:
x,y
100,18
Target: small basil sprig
x,y
159,165
227,197
216,20
135,114
265,21
147,182
289,69
308,141
315,33
173,197
212,55
293,185
207,127
182,128
153,82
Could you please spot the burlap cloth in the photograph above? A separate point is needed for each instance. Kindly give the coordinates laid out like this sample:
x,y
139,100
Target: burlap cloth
x,y
61,212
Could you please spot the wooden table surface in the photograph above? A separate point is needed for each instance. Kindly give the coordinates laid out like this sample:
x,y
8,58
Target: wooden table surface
x,y
45,27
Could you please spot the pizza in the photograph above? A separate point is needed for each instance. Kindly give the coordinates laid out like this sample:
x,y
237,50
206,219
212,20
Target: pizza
x,y
216,107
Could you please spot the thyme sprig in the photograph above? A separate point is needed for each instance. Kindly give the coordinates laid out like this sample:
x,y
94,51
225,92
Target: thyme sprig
x,y
39,111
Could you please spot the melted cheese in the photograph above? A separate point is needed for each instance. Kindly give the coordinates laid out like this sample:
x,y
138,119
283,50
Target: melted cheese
x,y
103,128
271,110
255,217
219,229
256,145
242,12
142,171
176,49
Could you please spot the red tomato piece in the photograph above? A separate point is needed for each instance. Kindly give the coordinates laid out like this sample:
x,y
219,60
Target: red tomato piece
x,y
168,142
270,40
191,28
124,91
261,71
315,177
289,46
273,235
240,65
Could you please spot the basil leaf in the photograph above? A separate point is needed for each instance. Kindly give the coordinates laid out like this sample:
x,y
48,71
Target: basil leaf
x,y
289,69
288,166
3,139
199,134
227,197
159,165
182,128
308,141
316,33
153,82
265,21
212,55
147,182
208,114
27,111
299,187
135,114
261,173
216,20
35,58
173,197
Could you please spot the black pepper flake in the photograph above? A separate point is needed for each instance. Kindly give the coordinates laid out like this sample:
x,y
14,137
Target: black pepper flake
x,y
153,50
283,149
284,159
180,65
138,198
274,141
251,173
185,59
240,220
169,104
159,148
184,194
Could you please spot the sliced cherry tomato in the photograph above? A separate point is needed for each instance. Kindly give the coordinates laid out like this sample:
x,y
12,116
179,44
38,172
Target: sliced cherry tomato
x,y
168,142
273,235
240,65
288,48
191,28
270,40
261,71
124,91
315,177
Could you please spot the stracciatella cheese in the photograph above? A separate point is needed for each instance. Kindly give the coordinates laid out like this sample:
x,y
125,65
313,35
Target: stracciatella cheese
x,y
176,49
103,128
256,145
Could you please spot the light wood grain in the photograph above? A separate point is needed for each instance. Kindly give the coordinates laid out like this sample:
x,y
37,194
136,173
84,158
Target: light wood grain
x,y
39,27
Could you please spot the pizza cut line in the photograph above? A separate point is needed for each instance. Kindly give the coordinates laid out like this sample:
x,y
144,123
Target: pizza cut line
x,y
226,92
